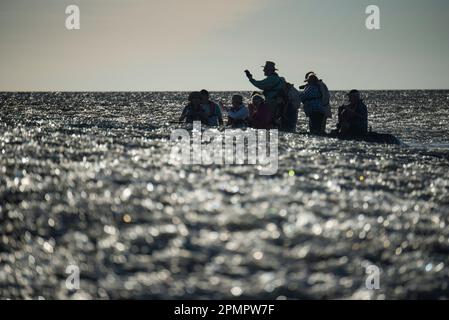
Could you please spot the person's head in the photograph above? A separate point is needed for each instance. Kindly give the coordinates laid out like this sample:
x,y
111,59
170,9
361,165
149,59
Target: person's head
x,y
257,100
204,96
354,96
269,68
195,98
237,100
308,74
312,79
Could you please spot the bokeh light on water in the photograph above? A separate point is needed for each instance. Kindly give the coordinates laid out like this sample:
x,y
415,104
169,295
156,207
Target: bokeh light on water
x,y
86,180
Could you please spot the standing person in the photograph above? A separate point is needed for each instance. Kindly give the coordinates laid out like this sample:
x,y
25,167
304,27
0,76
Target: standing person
x,y
353,118
238,113
325,99
289,118
259,113
194,111
213,111
272,86
312,100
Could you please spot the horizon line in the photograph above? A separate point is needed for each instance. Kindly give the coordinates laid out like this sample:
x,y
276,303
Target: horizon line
x,y
210,90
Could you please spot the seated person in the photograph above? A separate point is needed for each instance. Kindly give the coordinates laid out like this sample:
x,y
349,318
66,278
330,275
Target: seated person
x,y
260,116
213,111
238,113
251,106
194,111
353,118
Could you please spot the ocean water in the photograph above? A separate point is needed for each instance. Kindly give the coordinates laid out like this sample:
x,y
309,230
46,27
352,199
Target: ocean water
x,y
86,181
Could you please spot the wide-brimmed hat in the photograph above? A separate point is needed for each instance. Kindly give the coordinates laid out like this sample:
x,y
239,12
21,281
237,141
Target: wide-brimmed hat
x,y
308,74
258,95
313,77
270,65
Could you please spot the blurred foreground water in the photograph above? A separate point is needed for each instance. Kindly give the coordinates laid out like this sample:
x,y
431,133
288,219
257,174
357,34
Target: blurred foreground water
x,y
85,180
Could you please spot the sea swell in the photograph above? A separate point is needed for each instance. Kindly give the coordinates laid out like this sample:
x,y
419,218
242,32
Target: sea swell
x,y
86,180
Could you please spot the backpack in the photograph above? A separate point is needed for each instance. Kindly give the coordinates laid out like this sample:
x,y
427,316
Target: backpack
x,y
212,109
325,98
283,91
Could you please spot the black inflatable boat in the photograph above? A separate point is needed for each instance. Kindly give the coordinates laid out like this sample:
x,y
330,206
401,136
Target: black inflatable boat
x,y
382,138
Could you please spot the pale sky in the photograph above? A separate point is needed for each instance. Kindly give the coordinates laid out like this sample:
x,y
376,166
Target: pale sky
x,y
153,45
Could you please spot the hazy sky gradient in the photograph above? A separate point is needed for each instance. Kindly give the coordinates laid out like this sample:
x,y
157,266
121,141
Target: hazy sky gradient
x,y
146,45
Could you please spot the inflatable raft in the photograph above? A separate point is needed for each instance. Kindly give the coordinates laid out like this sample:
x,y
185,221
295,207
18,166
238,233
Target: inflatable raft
x,y
382,138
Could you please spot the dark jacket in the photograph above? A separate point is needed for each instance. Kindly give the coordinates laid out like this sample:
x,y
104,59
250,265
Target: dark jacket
x,y
261,117
357,120
194,114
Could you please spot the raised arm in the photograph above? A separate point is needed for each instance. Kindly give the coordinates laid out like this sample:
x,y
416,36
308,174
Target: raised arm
x,y
264,84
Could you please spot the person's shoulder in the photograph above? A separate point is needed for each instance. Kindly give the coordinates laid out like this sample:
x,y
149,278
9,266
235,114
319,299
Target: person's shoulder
x,y
361,107
294,90
324,84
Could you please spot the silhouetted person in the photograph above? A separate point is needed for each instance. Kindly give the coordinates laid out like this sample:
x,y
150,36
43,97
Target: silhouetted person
x,y
311,98
259,113
325,98
194,111
353,118
272,87
289,115
213,111
238,113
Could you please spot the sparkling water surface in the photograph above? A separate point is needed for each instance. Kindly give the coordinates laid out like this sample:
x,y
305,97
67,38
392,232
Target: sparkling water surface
x,y
86,180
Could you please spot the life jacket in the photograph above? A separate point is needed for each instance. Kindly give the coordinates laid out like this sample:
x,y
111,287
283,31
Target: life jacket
x,y
212,109
192,114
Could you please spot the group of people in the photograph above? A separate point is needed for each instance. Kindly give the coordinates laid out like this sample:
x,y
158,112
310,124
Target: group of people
x,y
278,104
